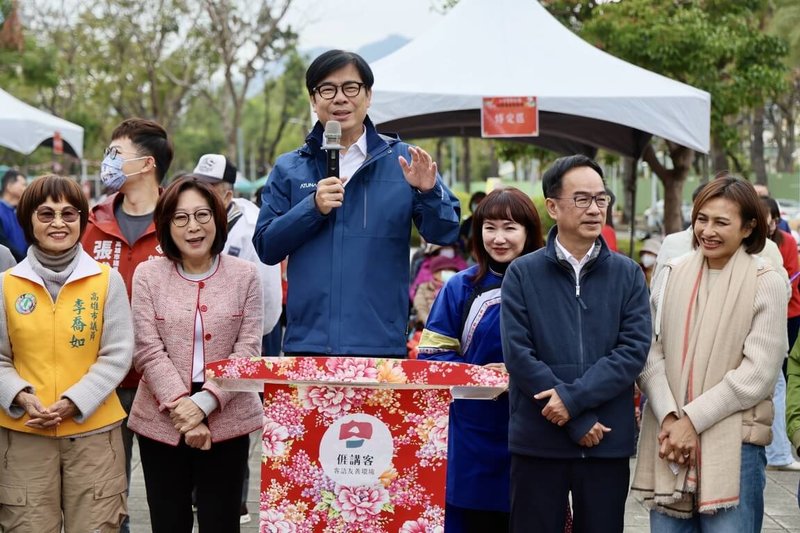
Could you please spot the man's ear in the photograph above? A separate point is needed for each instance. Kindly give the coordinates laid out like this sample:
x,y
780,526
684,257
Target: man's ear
x,y
550,204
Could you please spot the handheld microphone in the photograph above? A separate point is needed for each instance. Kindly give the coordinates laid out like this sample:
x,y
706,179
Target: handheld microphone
x,y
333,134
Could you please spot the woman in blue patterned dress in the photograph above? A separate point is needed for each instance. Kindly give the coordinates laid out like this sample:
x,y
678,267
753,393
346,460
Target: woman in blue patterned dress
x,y
464,326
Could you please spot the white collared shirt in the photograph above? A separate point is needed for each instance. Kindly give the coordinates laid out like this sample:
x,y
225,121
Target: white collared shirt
x,y
353,158
577,266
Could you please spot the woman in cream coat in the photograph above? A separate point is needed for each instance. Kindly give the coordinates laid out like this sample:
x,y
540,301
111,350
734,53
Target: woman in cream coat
x,y
719,321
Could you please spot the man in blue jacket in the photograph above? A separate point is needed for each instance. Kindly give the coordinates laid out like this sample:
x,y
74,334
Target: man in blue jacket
x,y
576,332
347,238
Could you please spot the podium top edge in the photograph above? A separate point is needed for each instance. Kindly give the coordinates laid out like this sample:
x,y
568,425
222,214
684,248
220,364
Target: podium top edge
x,y
353,371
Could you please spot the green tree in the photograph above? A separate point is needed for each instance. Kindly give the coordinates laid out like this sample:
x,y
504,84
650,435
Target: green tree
x,y
711,44
248,37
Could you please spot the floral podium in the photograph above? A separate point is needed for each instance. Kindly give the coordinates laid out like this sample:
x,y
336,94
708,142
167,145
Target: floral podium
x,y
354,443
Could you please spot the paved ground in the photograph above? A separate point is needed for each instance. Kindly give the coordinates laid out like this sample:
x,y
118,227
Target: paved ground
x,y
781,514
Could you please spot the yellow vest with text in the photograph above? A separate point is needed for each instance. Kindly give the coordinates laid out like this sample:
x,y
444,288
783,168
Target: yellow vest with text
x,y
53,344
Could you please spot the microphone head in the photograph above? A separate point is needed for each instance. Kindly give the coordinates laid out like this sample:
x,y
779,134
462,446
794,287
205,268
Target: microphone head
x,y
333,134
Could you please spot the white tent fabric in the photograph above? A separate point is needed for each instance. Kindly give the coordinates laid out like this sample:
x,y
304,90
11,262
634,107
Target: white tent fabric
x,y
23,127
434,85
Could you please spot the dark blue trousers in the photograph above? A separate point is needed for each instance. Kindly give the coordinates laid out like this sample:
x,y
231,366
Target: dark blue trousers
x,y
540,489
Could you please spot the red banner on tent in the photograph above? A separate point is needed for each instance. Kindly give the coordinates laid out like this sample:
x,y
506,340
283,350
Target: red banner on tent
x,y
58,143
516,116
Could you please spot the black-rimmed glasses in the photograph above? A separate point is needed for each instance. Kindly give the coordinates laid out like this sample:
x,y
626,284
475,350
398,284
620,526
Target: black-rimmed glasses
x,y
47,214
113,152
583,201
202,216
349,88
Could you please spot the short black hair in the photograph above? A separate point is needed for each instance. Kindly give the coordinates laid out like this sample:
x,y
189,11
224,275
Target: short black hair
x,y
151,138
333,60
9,177
553,176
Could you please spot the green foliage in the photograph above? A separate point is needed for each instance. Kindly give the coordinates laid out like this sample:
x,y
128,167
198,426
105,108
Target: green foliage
x,y
717,46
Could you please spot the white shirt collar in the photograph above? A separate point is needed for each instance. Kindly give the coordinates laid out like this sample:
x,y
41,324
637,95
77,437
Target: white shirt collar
x,y
576,265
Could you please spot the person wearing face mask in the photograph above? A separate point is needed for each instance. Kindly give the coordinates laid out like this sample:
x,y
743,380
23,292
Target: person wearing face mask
x,y
442,269
425,274
121,232
647,257
464,326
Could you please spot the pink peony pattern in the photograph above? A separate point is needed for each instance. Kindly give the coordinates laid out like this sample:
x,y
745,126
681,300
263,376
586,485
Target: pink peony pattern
x,y
273,440
421,525
274,521
352,369
492,378
360,504
330,401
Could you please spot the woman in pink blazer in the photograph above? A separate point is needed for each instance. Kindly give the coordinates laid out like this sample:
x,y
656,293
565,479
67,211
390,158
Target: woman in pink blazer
x,y
193,306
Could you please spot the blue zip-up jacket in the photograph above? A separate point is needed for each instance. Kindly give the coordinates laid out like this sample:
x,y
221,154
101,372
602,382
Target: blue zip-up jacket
x,y
588,340
16,237
348,271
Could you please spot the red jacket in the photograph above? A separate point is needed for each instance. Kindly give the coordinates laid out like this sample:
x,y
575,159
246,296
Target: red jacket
x,y
788,248
104,242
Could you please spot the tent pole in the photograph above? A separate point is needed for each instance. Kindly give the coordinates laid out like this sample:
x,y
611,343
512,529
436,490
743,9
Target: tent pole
x,y
631,166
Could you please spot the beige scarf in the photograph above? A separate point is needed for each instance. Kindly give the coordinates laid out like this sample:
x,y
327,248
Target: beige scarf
x,y
703,329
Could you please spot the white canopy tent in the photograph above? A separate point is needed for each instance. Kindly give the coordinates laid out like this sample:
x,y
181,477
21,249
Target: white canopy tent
x,y
434,85
23,128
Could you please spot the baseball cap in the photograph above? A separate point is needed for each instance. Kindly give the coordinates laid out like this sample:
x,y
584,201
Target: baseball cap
x,y
215,168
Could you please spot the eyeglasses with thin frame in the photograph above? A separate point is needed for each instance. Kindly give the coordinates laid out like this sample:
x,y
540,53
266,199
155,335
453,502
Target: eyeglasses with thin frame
x,y
328,91
201,216
582,201
46,215
113,151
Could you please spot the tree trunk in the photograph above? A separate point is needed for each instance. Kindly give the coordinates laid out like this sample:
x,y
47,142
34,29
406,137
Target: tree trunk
x,y
494,165
673,180
757,145
719,161
629,187
465,164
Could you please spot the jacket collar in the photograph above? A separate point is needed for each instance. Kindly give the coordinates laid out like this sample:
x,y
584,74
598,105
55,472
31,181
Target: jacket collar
x,y
376,142
85,268
600,252
102,216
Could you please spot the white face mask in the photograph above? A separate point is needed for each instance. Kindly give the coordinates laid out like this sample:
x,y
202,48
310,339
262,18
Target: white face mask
x,y
447,252
447,274
647,260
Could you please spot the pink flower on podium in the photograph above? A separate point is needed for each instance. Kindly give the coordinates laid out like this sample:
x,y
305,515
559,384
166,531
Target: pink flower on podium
x,y
275,522
420,525
330,401
274,439
438,434
359,504
352,368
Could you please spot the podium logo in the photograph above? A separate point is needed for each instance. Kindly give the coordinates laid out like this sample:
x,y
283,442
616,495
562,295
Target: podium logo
x,y
355,433
356,449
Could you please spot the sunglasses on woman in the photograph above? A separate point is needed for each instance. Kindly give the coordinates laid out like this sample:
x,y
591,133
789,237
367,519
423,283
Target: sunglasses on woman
x,y
47,214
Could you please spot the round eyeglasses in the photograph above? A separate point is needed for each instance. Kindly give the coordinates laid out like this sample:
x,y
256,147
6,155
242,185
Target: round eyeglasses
x,y
349,88
113,152
46,215
201,216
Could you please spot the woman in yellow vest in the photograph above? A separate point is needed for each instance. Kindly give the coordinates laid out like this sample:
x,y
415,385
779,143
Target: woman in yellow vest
x,y
66,342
